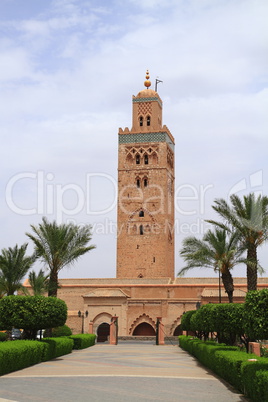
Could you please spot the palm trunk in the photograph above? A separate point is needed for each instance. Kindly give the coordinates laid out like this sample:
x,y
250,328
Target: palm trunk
x,y
252,274
228,283
53,284
52,291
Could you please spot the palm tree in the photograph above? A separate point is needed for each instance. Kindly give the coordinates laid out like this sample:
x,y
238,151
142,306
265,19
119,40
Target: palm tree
x,y
249,217
216,250
39,282
59,246
14,265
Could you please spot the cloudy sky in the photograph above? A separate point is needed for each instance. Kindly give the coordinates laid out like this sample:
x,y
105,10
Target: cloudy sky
x,y
68,70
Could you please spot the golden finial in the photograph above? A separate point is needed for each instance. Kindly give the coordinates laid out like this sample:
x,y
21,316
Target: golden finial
x,y
147,83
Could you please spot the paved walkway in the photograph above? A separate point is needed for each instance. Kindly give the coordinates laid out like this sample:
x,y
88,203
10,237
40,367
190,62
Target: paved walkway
x,y
126,372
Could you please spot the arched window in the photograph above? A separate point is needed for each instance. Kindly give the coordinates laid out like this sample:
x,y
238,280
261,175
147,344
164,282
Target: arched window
x,y
138,183
141,229
138,159
141,214
141,121
145,182
148,120
134,229
146,160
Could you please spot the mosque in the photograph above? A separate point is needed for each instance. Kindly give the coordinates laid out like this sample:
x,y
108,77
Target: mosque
x,y
144,288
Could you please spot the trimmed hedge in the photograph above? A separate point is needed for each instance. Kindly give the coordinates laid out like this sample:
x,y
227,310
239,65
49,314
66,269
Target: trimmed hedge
x,y
228,366
17,355
255,378
231,364
83,341
58,347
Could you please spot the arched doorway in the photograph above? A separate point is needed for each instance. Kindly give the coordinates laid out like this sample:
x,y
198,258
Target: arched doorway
x,y
103,332
178,331
144,329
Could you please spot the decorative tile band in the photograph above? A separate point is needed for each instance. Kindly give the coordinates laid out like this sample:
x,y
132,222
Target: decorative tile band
x,y
146,137
140,100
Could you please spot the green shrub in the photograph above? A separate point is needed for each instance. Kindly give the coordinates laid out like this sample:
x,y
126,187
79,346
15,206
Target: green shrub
x,y
201,322
186,320
256,314
32,313
58,347
64,330
17,355
228,366
188,343
227,321
83,341
3,336
255,378
226,361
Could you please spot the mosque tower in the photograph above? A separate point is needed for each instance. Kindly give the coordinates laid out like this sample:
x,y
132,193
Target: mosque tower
x,y
145,216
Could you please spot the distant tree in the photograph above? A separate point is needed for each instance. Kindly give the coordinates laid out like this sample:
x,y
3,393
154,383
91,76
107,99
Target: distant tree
x,y
201,321
14,265
216,250
38,282
59,246
227,322
256,314
248,217
32,313
186,320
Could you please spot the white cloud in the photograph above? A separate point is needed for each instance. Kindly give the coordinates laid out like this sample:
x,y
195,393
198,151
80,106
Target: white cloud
x,y
14,65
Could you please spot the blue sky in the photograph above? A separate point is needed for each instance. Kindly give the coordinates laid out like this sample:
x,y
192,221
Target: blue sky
x,y
68,69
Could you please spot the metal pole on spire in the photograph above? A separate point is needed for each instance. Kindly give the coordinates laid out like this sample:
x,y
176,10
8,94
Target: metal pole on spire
x,y
156,83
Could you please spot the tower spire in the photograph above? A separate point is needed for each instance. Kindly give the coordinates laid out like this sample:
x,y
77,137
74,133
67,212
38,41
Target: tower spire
x,y
147,82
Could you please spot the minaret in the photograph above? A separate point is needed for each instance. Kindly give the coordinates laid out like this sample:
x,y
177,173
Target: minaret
x,y
145,217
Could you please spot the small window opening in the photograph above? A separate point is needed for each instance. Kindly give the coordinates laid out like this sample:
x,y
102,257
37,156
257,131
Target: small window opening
x,y
138,159
146,160
141,121
140,276
148,120
154,259
141,214
138,246
141,229
138,183
145,182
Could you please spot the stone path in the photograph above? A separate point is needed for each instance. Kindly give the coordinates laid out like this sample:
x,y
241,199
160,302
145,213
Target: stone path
x,y
126,372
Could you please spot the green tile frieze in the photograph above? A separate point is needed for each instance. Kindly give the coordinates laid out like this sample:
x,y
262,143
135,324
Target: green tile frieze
x,y
145,137
142,100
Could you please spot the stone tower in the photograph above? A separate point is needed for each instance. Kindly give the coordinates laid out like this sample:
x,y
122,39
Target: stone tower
x,y
145,216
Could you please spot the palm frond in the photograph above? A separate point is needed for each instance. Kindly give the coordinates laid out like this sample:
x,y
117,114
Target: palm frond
x,y
58,246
